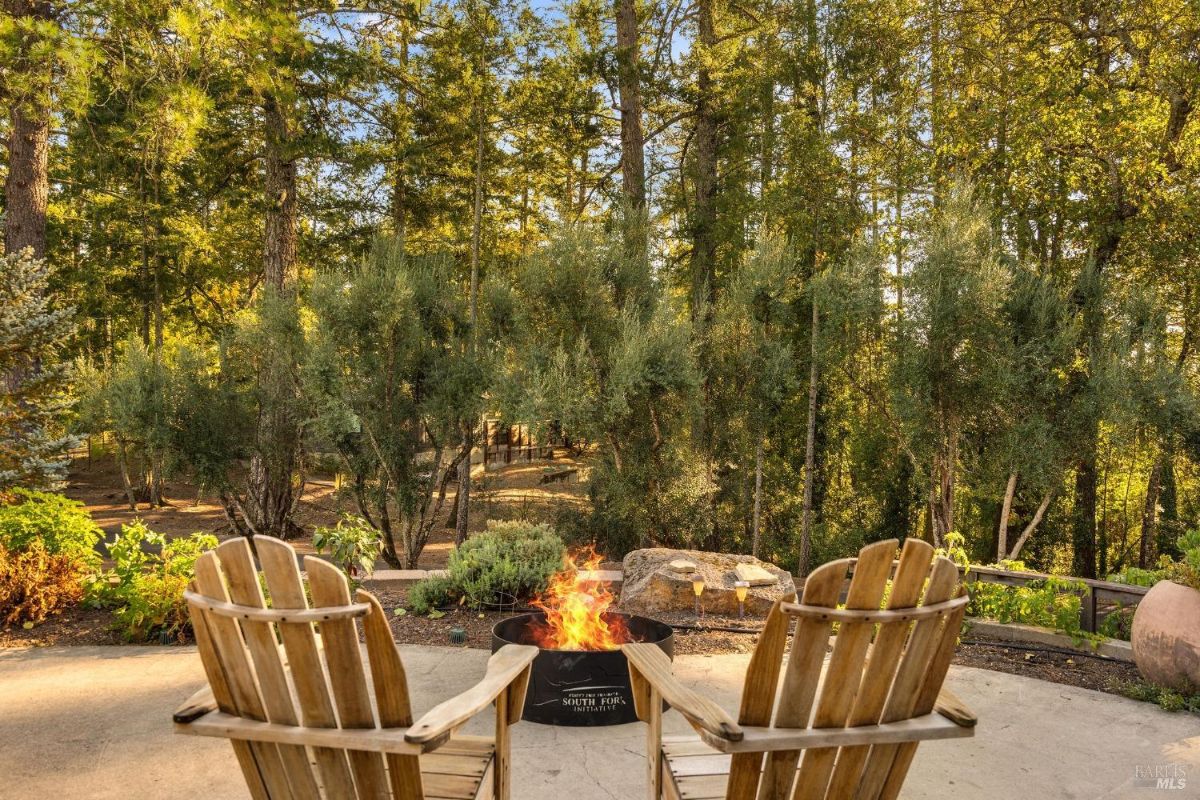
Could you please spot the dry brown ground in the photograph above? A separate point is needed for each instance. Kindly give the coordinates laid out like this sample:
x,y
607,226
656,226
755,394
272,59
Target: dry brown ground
x,y
504,492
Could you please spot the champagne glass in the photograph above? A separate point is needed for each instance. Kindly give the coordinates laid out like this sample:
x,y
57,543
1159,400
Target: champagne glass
x,y
698,589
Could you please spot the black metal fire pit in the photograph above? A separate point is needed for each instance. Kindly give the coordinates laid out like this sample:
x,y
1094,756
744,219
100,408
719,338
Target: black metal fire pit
x,y
580,687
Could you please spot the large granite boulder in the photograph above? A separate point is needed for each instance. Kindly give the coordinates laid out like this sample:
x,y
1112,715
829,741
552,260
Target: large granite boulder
x,y
658,580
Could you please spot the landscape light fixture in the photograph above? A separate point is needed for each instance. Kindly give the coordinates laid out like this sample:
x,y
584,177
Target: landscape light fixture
x,y
698,589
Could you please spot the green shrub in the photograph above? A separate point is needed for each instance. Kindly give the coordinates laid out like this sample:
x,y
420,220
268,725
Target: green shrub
x,y
63,526
431,593
1185,571
35,583
353,544
510,561
1050,603
144,589
1135,576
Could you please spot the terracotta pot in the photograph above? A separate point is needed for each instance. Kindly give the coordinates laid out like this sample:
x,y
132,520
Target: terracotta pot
x,y
1166,636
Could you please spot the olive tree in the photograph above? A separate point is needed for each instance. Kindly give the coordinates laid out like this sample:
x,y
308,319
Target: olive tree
x,y
390,376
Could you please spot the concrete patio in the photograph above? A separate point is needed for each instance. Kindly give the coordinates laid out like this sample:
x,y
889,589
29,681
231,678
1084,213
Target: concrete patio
x,y
94,722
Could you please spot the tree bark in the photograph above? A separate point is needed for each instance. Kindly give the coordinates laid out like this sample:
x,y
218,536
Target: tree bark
x,y
1083,525
1002,527
27,189
704,174
27,186
810,439
1031,527
1168,528
633,143
463,499
279,251
1150,514
271,493
756,525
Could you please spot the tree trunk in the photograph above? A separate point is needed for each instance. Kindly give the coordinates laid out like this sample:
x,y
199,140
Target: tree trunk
x,y
1002,527
704,174
1150,514
810,438
400,140
1168,526
1031,527
756,526
27,189
126,482
462,500
279,252
27,186
633,143
1083,525
271,494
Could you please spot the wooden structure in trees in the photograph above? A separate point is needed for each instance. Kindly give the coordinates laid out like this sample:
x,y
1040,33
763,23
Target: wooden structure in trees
x,y
807,729
309,714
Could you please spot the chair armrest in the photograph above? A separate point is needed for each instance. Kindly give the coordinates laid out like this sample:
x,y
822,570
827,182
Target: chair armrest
x,y
196,706
758,739
508,667
950,706
650,663
227,726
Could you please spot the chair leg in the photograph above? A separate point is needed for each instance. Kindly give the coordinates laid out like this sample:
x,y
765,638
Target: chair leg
x,y
654,759
500,771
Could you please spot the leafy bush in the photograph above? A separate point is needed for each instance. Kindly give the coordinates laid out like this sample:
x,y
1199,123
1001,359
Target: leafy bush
x,y
1050,603
955,550
146,589
353,543
509,560
35,583
429,594
62,526
1135,576
1185,571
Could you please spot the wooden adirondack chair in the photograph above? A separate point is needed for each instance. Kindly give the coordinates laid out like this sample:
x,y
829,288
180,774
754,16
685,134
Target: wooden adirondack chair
x,y
296,704
846,731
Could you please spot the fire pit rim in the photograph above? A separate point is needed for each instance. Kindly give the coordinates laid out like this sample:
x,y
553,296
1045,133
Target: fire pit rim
x,y
664,630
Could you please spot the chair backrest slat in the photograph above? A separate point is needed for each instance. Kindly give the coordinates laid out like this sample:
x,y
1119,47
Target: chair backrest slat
x,y
391,697
923,644
911,573
758,700
242,579
844,674
304,661
279,668
223,694
935,676
340,636
803,674
230,653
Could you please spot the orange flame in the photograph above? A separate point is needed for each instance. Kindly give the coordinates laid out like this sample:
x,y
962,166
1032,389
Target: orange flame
x,y
575,606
